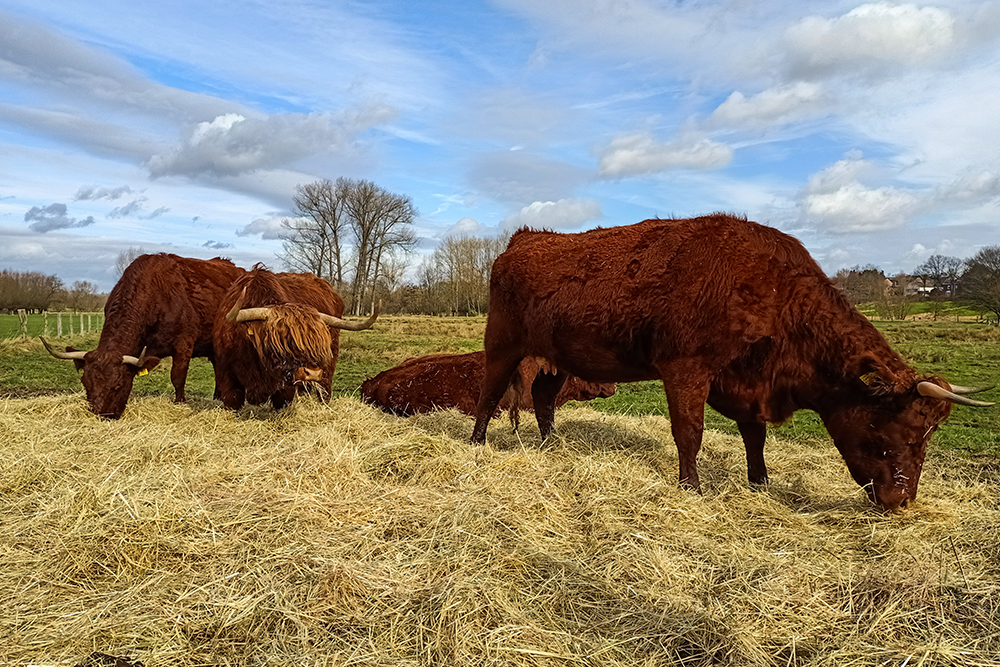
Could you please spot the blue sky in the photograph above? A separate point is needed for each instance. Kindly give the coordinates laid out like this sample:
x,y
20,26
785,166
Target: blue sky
x,y
870,131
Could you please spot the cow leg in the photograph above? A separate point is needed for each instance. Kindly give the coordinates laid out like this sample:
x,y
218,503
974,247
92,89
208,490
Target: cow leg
x,y
686,384
282,397
178,374
544,390
217,394
754,433
495,381
231,392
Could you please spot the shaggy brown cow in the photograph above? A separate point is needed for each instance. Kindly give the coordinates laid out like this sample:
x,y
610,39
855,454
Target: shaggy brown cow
x,y
276,333
723,311
442,381
163,306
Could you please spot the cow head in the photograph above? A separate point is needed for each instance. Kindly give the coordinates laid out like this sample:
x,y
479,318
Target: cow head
x,y
883,438
107,377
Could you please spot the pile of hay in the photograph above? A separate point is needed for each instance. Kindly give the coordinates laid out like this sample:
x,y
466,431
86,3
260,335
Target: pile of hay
x,y
338,535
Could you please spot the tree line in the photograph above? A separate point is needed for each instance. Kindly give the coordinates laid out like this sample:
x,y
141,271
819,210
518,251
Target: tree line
x,y
974,282
34,291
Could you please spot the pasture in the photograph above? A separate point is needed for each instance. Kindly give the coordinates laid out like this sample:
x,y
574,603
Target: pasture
x,y
334,534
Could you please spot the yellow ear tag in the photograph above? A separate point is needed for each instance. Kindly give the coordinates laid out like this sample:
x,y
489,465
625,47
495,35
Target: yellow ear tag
x,y
869,378
143,372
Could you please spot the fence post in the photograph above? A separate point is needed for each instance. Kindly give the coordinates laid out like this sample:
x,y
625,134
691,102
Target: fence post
x,y
23,316
59,323
45,323
81,323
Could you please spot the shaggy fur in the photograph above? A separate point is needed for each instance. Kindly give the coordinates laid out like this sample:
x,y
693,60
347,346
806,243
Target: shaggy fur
x,y
165,304
723,311
266,359
442,381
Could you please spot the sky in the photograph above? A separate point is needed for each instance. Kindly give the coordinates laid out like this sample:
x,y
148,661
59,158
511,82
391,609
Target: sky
x,y
870,131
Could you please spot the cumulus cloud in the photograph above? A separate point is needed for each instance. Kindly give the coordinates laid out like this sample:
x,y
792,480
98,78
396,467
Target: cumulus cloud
x,y
52,217
468,227
639,153
233,144
870,37
267,228
562,214
94,193
216,245
841,203
775,105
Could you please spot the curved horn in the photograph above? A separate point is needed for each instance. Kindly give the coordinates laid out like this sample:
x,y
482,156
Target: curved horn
x,y
78,354
932,390
339,323
958,389
239,314
129,359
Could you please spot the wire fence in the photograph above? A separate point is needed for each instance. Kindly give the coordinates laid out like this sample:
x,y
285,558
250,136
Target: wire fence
x,y
52,324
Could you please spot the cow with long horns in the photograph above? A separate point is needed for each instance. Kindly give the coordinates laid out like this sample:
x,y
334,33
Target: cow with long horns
x,y
162,306
723,311
278,333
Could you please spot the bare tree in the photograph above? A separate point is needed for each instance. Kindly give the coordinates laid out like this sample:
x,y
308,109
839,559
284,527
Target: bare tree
x,y
381,223
941,271
981,281
314,237
462,269
348,233
83,296
126,257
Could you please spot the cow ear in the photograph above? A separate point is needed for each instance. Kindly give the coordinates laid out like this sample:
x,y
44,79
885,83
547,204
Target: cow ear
x,y
148,364
79,363
873,374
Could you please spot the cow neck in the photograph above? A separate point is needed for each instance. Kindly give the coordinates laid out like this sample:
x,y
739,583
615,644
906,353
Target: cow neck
x,y
125,308
840,342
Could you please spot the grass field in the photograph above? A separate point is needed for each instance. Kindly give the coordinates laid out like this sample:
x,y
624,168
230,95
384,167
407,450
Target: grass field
x,y
334,534
47,324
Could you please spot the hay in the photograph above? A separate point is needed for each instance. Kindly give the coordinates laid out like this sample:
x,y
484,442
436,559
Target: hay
x,y
338,535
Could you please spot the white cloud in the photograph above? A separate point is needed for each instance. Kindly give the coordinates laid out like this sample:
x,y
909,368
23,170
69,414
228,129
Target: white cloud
x,y
771,106
840,203
639,153
869,37
562,214
468,227
267,228
232,144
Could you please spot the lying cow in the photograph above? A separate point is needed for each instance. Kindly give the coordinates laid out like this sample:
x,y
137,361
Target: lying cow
x,y
162,306
723,311
442,381
276,333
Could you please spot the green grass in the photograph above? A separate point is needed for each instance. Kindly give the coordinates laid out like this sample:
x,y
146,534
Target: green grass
x,y
47,324
963,352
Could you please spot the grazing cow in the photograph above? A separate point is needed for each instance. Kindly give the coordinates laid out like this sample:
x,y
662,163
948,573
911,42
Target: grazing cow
x,y
162,306
442,381
276,333
723,311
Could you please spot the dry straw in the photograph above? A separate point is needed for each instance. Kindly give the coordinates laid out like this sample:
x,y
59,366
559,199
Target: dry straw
x,y
333,534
